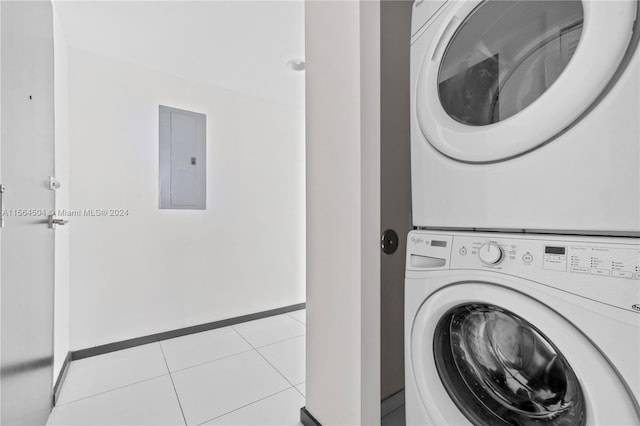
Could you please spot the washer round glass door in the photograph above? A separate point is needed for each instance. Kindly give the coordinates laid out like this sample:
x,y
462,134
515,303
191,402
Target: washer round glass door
x,y
499,369
502,77
487,353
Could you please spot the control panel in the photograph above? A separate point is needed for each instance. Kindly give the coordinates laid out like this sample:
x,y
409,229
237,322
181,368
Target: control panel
x,y
601,268
561,256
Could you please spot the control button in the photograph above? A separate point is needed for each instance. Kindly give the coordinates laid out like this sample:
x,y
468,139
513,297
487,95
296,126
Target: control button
x,y
622,274
580,269
599,272
527,257
636,275
463,251
491,254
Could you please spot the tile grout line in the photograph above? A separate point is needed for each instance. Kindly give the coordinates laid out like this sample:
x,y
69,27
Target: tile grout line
x,y
110,390
273,343
298,390
296,319
279,341
244,406
173,384
263,357
252,348
210,361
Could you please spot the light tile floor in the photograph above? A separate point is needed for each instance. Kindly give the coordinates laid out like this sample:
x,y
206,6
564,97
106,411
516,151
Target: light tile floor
x,y
248,374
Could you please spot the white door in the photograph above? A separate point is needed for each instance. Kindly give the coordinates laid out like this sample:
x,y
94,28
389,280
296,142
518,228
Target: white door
x,y
27,117
502,77
485,354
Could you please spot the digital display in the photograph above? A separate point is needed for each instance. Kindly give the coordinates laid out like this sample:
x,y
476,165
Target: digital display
x,y
436,243
554,250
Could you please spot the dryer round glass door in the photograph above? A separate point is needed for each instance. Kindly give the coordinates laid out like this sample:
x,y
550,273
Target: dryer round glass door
x,y
502,77
485,77
500,369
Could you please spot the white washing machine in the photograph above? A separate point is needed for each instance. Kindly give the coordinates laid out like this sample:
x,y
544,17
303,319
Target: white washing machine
x,y
524,115
504,329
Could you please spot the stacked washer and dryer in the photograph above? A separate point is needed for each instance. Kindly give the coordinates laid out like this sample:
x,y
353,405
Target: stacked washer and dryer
x,y
522,291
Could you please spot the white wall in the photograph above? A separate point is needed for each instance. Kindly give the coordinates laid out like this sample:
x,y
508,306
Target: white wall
x,y
157,270
343,212
61,248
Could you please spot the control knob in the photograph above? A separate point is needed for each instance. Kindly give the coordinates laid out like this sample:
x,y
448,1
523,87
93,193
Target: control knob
x,y
491,254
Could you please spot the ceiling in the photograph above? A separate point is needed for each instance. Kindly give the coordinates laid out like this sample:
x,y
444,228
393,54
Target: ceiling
x,y
238,45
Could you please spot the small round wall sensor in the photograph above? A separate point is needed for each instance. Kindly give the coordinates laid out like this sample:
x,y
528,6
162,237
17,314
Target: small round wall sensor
x,y
296,64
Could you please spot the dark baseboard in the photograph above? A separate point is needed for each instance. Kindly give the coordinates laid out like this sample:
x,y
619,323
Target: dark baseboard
x,y
61,377
307,419
137,341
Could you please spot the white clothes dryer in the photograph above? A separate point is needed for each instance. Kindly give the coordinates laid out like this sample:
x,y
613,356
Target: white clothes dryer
x,y
525,115
505,329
